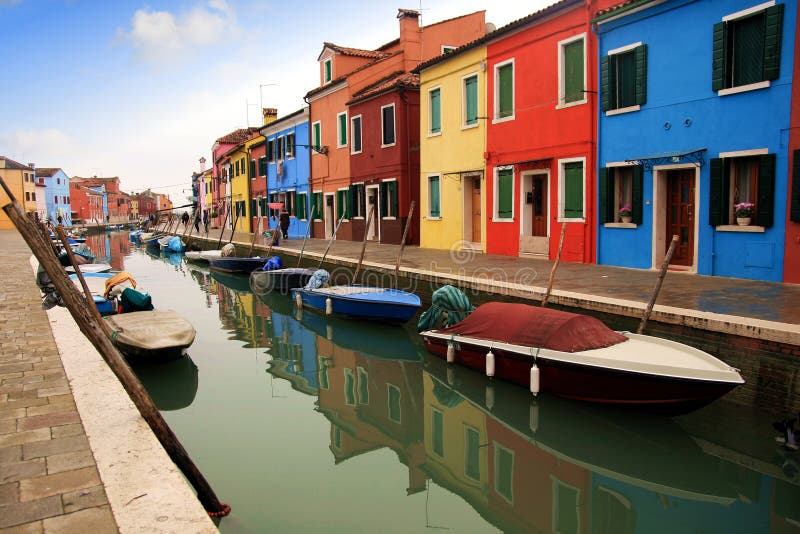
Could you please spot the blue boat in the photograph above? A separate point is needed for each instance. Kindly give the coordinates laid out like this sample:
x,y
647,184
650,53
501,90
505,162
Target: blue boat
x,y
97,286
236,265
360,302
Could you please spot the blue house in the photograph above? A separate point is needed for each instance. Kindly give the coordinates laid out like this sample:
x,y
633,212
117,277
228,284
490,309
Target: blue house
x,y
288,170
56,194
694,121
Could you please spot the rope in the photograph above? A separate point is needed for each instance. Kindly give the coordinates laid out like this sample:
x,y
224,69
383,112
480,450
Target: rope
x,y
226,509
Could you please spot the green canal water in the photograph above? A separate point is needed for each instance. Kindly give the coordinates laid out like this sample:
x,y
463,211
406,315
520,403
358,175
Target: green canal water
x,y
308,424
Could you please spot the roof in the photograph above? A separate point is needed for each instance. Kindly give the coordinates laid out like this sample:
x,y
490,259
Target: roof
x,y
623,6
394,80
342,79
536,16
238,136
11,164
46,172
95,178
355,52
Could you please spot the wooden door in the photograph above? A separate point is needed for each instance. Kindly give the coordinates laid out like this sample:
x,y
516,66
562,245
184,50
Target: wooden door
x,y
680,215
476,210
539,208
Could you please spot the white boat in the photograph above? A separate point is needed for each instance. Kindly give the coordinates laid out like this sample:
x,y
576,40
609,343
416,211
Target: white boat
x,y
202,256
155,335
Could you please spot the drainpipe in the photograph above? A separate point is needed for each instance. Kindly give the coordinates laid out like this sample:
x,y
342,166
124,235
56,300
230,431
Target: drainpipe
x,y
402,94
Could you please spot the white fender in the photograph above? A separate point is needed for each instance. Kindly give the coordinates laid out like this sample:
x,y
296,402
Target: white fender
x,y
489,396
533,417
328,332
298,299
450,376
451,353
328,306
534,380
489,364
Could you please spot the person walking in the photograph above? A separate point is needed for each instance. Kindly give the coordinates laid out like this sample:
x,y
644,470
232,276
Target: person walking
x,y
283,220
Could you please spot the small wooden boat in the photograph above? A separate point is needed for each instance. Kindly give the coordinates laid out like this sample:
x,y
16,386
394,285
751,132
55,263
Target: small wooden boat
x,y
151,335
578,357
98,284
171,243
236,265
202,256
279,280
90,268
361,302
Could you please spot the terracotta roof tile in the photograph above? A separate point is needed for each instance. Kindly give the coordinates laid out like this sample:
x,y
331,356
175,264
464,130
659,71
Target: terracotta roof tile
x,y
11,164
238,136
46,172
617,7
394,80
356,52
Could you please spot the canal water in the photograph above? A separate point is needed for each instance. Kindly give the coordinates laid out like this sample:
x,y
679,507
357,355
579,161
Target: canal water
x,y
309,424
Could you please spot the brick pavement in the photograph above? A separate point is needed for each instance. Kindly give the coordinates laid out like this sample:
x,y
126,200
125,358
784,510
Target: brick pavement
x,y
48,476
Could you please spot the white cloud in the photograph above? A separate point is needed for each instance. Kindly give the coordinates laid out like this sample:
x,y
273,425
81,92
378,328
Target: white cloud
x,y
46,146
161,36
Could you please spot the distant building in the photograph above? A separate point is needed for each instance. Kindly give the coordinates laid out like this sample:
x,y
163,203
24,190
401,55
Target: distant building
x,y
20,179
57,194
86,203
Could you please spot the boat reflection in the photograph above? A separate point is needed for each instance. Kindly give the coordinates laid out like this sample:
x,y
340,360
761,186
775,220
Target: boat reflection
x,y
172,385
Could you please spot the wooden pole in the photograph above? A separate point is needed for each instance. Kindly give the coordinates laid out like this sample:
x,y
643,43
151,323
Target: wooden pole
x,y
222,229
661,274
330,242
364,242
403,243
77,307
555,265
233,228
253,242
308,232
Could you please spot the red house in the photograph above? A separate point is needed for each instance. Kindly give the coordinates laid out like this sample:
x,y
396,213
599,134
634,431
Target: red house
x,y
86,204
541,133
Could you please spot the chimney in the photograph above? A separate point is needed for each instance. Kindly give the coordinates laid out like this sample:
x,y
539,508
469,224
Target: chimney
x,y
31,165
270,115
202,164
410,37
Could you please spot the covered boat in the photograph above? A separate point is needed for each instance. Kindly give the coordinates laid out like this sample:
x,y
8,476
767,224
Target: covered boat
x,y
236,265
156,335
171,243
279,280
202,256
101,286
361,302
578,357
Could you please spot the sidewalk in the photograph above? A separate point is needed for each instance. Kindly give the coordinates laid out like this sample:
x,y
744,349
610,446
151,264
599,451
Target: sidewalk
x,y
765,310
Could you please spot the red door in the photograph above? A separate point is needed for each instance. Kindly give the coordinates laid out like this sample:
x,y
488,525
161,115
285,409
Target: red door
x,y
476,210
539,228
680,215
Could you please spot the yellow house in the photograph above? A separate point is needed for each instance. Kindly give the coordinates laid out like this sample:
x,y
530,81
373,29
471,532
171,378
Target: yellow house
x,y
208,176
21,180
240,188
452,144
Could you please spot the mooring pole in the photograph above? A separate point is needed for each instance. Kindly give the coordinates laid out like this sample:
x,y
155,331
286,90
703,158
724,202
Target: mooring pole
x,y
233,228
403,242
330,241
555,265
222,229
253,241
308,232
661,274
364,243
77,307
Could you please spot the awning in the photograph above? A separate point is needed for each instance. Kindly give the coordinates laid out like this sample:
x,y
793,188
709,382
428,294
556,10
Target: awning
x,y
671,157
275,205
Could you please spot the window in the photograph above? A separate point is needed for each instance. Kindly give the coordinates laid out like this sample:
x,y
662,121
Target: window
x,y
236,166
349,387
341,130
316,205
620,187
355,135
316,136
253,207
746,178
281,148
747,48
328,68
623,74
437,432
271,150
504,194
357,200
302,206
58,181
289,146
434,196
566,508
323,372
572,71
387,125
342,206
393,399
471,100
570,188
447,49
290,202
504,90
262,166
363,385
472,451
56,199
504,472
435,106
33,196
252,168
27,193
389,203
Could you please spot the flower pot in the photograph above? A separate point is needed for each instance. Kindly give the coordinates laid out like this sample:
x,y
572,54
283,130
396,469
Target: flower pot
x,y
743,221
626,219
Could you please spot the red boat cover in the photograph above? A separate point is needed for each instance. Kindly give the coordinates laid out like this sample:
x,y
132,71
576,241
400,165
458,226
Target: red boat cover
x,y
531,326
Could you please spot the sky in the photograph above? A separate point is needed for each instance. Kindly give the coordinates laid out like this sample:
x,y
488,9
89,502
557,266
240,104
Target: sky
x,y
141,90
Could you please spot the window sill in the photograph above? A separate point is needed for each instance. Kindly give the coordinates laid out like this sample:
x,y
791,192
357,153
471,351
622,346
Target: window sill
x,y
389,218
435,134
469,126
433,218
744,88
736,228
572,104
620,111
498,120
354,153
562,219
497,220
388,146
621,225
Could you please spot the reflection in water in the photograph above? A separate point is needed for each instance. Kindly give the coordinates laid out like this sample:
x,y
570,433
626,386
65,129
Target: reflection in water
x,y
464,453
171,385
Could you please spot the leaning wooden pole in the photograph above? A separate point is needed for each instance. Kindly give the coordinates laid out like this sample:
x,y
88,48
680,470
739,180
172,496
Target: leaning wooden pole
x,y
77,307
555,265
660,280
308,232
253,241
330,241
222,229
364,242
233,228
403,243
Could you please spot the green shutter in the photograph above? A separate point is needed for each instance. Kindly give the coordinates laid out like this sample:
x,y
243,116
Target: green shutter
x,y
328,70
471,92
436,111
573,190
637,194
342,130
607,214
253,207
718,195
435,210
718,59
747,56
301,206
765,209
573,71
505,193
505,77
640,90
605,86
383,193
772,42
252,168
317,135
794,211
394,199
